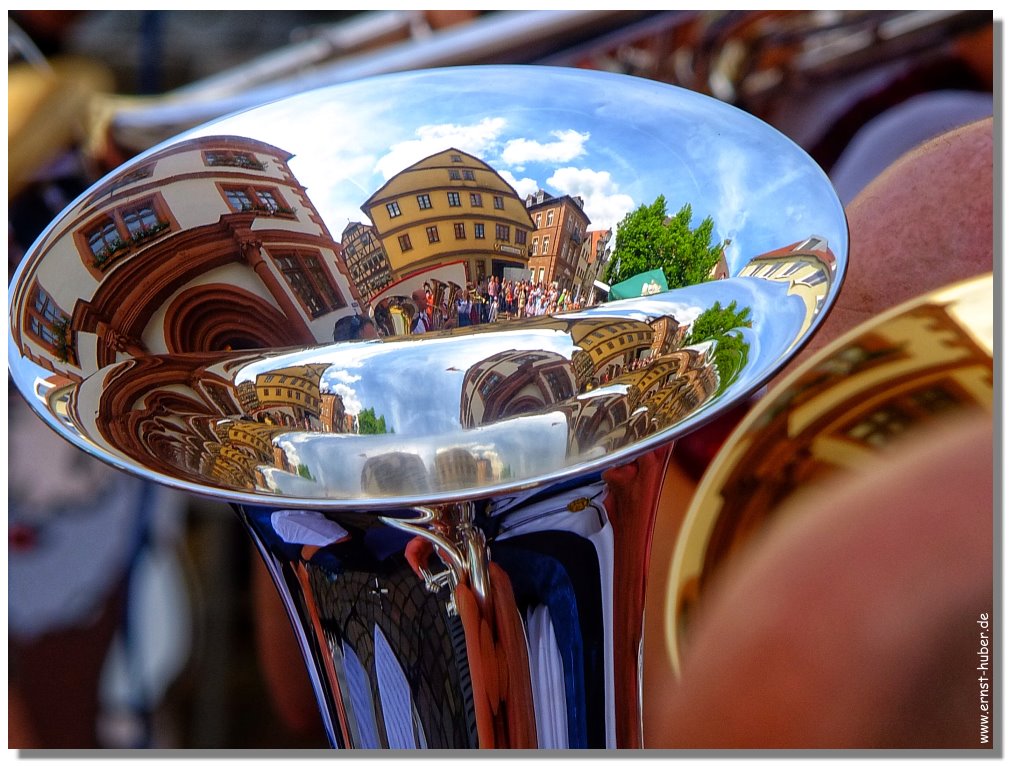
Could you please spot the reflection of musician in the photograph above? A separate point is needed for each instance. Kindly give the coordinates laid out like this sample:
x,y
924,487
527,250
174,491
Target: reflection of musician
x,y
421,323
354,327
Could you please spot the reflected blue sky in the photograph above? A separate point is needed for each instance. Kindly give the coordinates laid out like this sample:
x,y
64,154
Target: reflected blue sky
x,y
615,141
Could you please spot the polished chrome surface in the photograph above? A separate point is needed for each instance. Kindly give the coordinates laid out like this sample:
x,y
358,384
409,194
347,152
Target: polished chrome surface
x,y
226,238
178,321
915,365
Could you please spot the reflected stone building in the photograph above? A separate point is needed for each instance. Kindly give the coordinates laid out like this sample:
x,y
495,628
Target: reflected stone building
x,y
558,241
210,244
513,383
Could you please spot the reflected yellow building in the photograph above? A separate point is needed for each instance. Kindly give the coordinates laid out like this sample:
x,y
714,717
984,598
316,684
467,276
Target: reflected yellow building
x,y
288,396
447,207
808,267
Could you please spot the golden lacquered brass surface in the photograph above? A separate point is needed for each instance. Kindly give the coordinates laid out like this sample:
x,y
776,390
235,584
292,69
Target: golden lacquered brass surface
x,y
855,401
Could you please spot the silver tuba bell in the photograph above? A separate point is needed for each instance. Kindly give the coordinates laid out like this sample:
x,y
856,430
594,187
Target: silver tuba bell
x,y
373,318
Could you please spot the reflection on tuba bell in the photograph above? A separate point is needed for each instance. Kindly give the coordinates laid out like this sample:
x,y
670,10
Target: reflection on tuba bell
x,y
456,513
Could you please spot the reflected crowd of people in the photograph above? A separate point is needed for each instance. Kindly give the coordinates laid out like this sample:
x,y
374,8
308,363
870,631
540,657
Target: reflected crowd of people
x,y
494,299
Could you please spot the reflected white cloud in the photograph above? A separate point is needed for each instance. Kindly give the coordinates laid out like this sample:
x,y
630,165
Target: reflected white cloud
x,y
523,186
567,146
476,138
602,201
642,137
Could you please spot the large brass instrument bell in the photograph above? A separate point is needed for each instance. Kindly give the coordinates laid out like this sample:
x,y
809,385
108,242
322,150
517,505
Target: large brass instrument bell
x,y
458,520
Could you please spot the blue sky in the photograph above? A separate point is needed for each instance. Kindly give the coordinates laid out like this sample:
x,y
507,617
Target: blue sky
x,y
616,141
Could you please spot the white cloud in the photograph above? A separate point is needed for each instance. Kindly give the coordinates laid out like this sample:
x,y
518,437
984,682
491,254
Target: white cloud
x,y
341,382
523,186
568,145
476,139
603,202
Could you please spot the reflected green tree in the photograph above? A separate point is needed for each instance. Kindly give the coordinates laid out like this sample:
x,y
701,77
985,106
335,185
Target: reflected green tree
x,y
648,238
722,324
717,320
368,423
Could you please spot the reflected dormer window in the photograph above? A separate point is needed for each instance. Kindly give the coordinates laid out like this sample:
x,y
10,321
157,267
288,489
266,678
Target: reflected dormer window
x,y
227,158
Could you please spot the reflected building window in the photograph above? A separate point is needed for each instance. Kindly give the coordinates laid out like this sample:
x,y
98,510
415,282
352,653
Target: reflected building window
x,y
424,202
123,228
393,209
46,321
138,174
499,202
235,159
492,379
263,199
405,242
475,200
304,272
460,230
433,233
454,199
478,231
502,232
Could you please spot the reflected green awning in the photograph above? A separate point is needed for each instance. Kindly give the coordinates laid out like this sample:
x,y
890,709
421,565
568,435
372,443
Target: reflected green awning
x,y
635,286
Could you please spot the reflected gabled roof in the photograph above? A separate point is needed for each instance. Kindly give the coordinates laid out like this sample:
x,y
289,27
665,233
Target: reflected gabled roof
x,y
404,182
